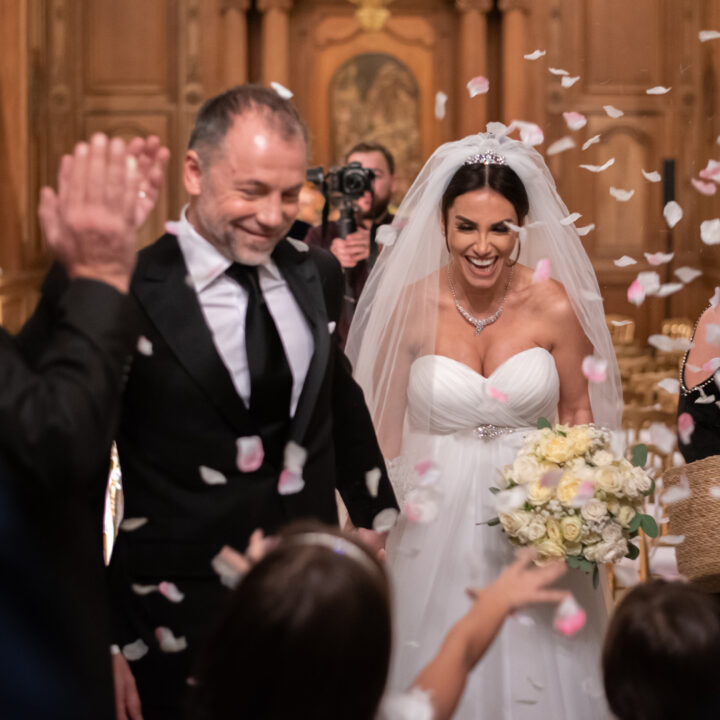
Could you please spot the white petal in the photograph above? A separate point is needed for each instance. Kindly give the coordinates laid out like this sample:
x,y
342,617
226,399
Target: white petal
x,y
508,500
230,575
668,289
612,111
705,400
715,492
599,168
440,101
624,261
594,369
621,195
677,492
712,333
583,231
568,82
570,219
654,176
670,385
135,650
131,524
710,231
421,505
386,235
566,143
662,342
331,327
372,481
385,520
711,171
144,346
535,55
575,120
687,274
530,133
621,323
250,453
558,71
497,128
673,213
658,90
281,90
290,482
170,591
143,589
715,299
212,477
295,456
659,258
671,539
594,139
662,436
168,642
591,296
299,245
478,86
706,35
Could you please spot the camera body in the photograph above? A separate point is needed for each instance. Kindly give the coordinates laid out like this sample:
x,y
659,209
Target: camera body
x,y
350,182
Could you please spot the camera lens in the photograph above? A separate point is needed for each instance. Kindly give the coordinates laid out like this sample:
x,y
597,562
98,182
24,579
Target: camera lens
x,y
355,182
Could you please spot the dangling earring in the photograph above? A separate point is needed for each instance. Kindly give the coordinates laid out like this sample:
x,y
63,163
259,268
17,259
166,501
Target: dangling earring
x,y
517,255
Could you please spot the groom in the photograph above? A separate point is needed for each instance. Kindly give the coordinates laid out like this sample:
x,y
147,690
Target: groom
x,y
236,325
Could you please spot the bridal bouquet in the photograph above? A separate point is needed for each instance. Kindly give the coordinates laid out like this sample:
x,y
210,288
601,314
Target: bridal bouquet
x,y
570,496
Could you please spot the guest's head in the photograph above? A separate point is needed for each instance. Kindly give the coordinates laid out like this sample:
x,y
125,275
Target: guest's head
x,y
306,635
244,169
476,206
662,654
379,159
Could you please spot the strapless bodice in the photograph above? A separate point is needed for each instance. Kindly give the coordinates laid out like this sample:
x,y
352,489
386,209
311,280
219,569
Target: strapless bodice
x,y
446,396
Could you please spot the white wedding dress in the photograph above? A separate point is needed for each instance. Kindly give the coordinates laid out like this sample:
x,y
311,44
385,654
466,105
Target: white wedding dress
x,y
530,672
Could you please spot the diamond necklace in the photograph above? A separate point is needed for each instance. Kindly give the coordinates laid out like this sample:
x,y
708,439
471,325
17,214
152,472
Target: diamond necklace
x,y
480,324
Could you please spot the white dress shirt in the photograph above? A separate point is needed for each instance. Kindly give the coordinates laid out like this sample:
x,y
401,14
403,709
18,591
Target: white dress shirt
x,y
224,305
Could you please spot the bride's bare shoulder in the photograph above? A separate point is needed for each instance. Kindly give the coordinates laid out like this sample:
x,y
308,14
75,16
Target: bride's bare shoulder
x,y
543,297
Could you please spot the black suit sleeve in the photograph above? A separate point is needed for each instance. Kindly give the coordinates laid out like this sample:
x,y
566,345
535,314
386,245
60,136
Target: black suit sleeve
x,y
58,409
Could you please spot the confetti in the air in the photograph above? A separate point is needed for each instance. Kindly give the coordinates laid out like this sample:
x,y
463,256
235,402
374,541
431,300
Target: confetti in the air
x,y
650,281
535,55
711,172
558,71
569,617
667,344
421,505
662,437
687,274
225,564
562,145
612,111
594,369
172,227
594,139
677,492
668,289
659,258
583,231
170,591
704,188
372,481
132,524
551,478
386,235
212,477
290,482
295,456
710,231
599,168
711,365
621,323
168,642
636,293
507,501
144,346
575,120
715,299
385,520
658,90
143,589
706,35
653,177
135,650
568,82
673,213
570,219
478,86
530,133
704,399
624,261
281,90
712,333
715,492
440,102
621,195
670,385
671,539
250,453
686,427
496,394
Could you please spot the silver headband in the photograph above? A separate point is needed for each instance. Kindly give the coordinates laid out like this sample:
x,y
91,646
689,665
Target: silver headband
x,y
488,158
338,545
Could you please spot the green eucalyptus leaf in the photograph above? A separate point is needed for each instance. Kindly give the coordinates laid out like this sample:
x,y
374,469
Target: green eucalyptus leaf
x,y
649,526
639,455
543,422
494,490
633,551
635,523
596,576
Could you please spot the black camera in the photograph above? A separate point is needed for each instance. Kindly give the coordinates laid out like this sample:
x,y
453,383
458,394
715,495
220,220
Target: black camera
x,y
351,181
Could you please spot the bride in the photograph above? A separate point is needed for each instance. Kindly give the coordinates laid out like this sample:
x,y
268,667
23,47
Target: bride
x,y
460,347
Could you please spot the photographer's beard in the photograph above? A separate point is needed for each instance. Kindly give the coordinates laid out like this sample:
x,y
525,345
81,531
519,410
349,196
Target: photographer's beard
x,y
369,209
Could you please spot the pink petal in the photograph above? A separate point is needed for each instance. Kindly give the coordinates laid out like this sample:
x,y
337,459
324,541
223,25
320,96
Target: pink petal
x,y
495,394
478,86
172,227
704,188
659,258
542,271
711,365
290,482
636,293
440,101
686,427
423,466
586,491
421,506
594,369
712,171
144,346
212,477
575,120
250,453
551,478
530,133
569,617
171,592
168,642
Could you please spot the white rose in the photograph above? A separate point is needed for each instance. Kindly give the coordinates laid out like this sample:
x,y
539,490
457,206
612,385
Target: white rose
x,y
609,479
611,532
625,515
548,551
590,538
571,527
601,458
638,482
573,548
526,469
594,510
514,522
613,505
608,552
533,531
537,494
553,530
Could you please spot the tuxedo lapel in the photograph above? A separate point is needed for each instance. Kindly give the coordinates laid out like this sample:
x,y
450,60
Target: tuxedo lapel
x,y
161,287
303,279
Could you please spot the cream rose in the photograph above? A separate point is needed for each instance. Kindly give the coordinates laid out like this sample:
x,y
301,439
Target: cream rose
x,y
594,510
557,450
608,552
611,533
609,479
590,538
567,488
574,548
553,530
533,531
526,469
613,505
625,515
580,439
571,527
638,482
601,458
514,522
548,551
538,495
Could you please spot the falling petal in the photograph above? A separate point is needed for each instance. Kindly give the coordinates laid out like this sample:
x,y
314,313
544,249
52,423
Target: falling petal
x,y
704,188
594,139
715,492
212,477
535,55
585,491
558,71
612,111
524,620
705,399
290,482
372,481
542,271
226,566
711,172
659,258
668,289
569,617
551,479
650,281
440,101
662,342
715,299
575,120
636,293
530,133
673,213
621,195
624,261
170,591
144,346
386,235
131,524
421,506
568,82
599,168
712,334
331,327
135,650
385,520
670,385
621,323
711,365
281,90
570,219
653,177
706,35
677,493
295,456
687,274
168,642
686,427
662,436
583,231
143,589
299,245
710,231
658,90
594,369
562,145
671,539
496,394
478,86
172,227
497,128
507,501
250,453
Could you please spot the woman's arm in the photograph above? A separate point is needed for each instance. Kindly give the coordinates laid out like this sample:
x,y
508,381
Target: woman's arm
x,y
468,640
702,351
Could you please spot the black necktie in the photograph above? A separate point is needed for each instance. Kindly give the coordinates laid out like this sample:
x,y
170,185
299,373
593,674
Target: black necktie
x,y
270,376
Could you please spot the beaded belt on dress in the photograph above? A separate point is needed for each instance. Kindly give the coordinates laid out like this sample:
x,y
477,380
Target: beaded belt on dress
x,y
490,432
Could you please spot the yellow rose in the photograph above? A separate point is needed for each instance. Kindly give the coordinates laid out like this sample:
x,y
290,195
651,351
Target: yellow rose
x,y
613,505
553,530
580,439
526,469
609,479
514,522
557,450
625,514
567,488
571,526
573,548
548,551
537,494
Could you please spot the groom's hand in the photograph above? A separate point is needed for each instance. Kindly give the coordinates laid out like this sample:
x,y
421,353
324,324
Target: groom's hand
x,y
127,699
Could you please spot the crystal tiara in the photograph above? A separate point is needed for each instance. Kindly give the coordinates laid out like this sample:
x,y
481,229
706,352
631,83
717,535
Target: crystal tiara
x,y
487,158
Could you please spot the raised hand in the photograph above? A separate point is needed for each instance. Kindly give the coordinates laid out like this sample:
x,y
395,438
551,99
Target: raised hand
x,y
152,158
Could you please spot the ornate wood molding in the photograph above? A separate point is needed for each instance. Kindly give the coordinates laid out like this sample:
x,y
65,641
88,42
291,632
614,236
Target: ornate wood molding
x,y
464,6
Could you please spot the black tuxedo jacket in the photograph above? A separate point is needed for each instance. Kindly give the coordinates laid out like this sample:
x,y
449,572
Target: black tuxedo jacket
x,y
180,412
59,401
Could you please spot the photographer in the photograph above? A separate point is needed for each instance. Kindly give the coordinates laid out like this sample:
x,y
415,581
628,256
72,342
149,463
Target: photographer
x,y
354,251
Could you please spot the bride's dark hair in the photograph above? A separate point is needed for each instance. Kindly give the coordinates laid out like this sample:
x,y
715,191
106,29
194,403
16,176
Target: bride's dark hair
x,y
500,178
